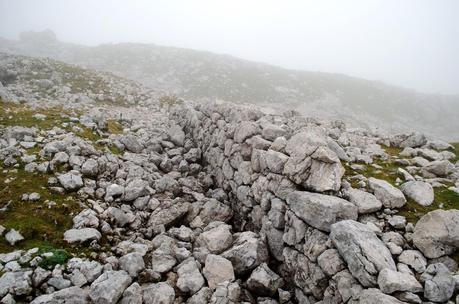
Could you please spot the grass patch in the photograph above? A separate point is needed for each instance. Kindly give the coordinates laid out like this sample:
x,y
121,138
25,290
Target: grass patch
x,y
392,151
89,134
59,257
445,198
114,127
12,114
39,224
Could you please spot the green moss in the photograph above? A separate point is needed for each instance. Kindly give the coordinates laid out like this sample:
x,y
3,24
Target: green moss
x,y
59,257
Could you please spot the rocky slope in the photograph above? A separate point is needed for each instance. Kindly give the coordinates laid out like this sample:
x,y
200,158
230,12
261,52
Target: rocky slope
x,y
214,203
206,76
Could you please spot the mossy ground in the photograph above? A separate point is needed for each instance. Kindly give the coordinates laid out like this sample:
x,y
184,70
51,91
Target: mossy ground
x,y
443,197
12,114
41,225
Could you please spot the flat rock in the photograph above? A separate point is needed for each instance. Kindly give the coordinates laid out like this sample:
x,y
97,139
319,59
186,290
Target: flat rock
x,y
73,295
320,211
81,235
390,281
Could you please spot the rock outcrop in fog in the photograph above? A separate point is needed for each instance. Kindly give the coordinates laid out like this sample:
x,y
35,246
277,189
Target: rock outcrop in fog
x,y
133,198
206,76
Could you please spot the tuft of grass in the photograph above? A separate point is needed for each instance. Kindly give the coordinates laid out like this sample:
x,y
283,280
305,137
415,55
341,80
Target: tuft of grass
x,y
392,151
114,127
12,114
59,257
89,134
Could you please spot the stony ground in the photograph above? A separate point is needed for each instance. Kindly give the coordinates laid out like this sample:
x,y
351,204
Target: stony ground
x,y
164,201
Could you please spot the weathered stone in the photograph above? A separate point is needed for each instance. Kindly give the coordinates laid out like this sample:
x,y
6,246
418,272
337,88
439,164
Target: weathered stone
x,y
306,275
440,167
190,279
71,181
217,269
373,295
13,236
320,211
437,233
109,287
73,295
81,235
421,192
413,258
132,263
16,283
364,253
176,135
248,251
244,130
132,295
264,281
390,281
331,262
216,239
365,202
440,284
390,196
160,293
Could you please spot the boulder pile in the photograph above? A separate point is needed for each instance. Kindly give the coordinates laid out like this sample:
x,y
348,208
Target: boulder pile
x,y
225,204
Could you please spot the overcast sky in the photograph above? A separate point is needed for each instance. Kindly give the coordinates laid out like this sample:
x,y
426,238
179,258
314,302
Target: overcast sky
x,y
412,43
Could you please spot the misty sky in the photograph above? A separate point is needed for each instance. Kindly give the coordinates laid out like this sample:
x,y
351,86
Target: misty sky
x,y
413,43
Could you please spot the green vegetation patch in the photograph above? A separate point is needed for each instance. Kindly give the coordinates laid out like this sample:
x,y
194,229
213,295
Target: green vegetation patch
x,y
444,198
12,114
58,257
38,222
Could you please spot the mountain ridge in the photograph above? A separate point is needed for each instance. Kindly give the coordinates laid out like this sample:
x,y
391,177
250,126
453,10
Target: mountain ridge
x,y
203,75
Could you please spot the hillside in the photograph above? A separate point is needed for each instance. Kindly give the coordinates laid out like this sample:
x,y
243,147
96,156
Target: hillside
x,y
206,76
112,193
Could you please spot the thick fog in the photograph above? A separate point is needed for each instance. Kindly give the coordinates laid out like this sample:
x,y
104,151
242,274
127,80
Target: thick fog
x,y
412,43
